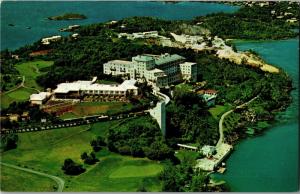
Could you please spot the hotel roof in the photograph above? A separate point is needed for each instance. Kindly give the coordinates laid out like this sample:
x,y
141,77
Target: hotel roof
x,y
166,58
39,96
88,85
121,62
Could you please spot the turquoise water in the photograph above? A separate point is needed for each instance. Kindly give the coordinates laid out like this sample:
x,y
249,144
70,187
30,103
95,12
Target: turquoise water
x,y
270,162
34,14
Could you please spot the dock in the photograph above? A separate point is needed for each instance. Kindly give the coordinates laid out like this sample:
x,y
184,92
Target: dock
x,y
210,164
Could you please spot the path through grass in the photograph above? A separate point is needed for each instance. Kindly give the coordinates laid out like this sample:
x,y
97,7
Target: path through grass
x,y
46,151
31,70
16,180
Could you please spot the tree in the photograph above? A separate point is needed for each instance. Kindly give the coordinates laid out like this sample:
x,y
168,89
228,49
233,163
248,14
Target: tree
x,y
199,183
9,141
89,159
84,156
71,168
98,143
170,178
159,151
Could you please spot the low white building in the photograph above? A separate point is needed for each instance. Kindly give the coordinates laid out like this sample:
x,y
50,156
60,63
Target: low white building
x,y
187,39
39,98
48,40
79,89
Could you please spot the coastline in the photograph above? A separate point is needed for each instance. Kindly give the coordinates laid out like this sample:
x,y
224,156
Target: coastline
x,y
283,124
274,122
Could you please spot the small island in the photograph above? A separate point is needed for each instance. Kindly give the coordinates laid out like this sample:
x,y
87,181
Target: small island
x,y
68,16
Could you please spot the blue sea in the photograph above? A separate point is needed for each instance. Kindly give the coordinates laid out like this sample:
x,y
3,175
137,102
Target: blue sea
x,y
34,15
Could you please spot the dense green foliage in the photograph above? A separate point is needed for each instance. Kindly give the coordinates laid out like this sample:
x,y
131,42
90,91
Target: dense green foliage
x,y
7,63
254,22
139,139
71,168
9,141
183,178
188,119
98,143
89,159
238,83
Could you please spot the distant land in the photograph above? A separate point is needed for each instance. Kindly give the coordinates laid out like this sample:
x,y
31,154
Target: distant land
x,y
68,16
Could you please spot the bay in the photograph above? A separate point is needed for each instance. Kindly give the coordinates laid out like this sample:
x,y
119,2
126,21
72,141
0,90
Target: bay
x,y
34,14
270,162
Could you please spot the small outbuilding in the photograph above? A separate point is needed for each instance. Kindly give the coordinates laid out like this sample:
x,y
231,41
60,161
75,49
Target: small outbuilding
x,y
39,98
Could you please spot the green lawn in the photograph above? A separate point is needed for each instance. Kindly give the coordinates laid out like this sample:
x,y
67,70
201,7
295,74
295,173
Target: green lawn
x,y
184,87
31,70
218,110
94,108
17,180
46,151
118,173
21,94
136,171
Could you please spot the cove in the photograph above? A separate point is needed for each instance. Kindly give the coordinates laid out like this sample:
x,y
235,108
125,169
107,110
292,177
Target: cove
x,y
34,14
270,162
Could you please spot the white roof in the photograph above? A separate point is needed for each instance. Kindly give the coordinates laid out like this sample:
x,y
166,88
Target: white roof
x,y
88,85
39,96
128,84
188,63
120,62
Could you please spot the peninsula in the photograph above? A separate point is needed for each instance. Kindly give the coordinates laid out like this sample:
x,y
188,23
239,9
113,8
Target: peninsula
x,y
138,104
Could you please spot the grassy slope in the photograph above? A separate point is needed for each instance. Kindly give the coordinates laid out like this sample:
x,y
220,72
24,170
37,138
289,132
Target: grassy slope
x,y
218,110
18,95
26,181
46,151
30,70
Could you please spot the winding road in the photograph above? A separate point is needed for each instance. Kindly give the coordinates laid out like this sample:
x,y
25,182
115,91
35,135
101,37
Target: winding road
x,y
221,133
60,182
21,85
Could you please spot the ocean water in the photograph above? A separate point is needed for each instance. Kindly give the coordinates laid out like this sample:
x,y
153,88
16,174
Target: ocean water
x,y
270,162
265,163
34,14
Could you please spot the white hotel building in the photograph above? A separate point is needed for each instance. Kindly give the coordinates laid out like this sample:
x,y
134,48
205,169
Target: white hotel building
x,y
79,89
158,70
